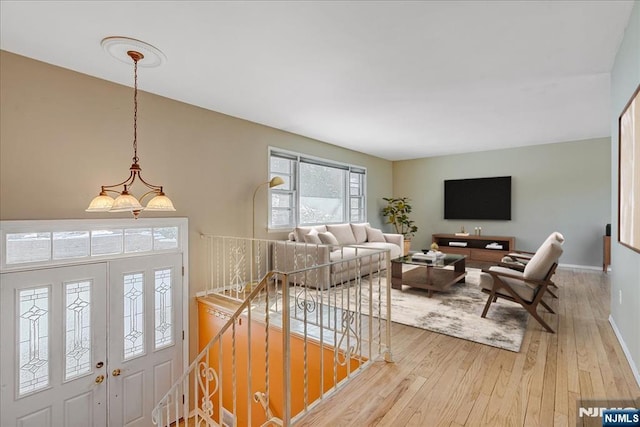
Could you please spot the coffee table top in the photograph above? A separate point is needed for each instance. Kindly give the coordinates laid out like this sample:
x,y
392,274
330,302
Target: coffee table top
x,y
448,259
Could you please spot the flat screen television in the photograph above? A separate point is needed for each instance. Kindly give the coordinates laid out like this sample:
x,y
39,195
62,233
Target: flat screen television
x,y
478,198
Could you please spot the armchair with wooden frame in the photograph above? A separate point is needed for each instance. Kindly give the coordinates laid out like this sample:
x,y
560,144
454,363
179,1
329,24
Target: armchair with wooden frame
x,y
526,287
518,259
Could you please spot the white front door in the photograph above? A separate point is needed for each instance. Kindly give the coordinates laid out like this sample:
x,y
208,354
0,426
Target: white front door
x,y
80,351
53,369
145,330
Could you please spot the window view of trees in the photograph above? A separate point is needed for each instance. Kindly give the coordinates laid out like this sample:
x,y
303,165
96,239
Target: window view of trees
x,y
321,194
315,191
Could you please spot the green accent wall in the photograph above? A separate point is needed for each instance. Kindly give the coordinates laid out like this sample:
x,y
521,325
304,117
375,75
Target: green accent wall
x,y
625,263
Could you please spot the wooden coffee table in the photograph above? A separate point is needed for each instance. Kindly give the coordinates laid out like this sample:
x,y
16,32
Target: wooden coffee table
x,y
429,275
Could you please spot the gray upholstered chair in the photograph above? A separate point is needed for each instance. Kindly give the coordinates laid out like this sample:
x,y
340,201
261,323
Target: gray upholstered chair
x,y
526,287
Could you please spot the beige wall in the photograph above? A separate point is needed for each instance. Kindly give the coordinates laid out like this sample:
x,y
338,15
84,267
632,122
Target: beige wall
x,y
564,187
63,134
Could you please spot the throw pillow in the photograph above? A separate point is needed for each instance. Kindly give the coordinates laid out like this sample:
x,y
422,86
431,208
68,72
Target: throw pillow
x,y
559,237
328,238
375,235
343,233
360,232
301,231
312,237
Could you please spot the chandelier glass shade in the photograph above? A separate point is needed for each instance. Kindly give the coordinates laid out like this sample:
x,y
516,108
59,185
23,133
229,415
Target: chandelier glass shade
x,y
125,201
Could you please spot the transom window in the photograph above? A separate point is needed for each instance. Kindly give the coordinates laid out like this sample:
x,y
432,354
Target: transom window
x,y
315,191
29,243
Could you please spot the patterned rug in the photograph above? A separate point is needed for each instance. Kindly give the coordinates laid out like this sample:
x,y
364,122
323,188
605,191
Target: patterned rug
x,y
457,313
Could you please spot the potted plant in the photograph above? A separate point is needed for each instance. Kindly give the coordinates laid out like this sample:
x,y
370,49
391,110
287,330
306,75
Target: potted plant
x,y
397,213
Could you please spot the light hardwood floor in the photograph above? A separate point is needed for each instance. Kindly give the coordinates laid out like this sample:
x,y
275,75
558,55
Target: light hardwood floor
x,y
438,380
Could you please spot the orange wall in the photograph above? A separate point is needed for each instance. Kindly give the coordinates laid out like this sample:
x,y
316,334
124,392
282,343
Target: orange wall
x,y
209,324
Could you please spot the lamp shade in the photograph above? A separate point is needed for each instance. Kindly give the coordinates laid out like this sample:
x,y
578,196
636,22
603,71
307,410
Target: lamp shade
x,y
160,203
101,203
275,181
125,202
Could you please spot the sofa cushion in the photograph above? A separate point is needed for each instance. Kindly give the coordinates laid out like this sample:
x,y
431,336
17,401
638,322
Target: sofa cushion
x,y
558,237
540,264
345,252
524,290
394,249
375,235
301,231
345,265
360,231
328,238
343,233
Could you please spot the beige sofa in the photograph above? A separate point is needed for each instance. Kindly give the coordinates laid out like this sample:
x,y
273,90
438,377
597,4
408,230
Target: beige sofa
x,y
315,245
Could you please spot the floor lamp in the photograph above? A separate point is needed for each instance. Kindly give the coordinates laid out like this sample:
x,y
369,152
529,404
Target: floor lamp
x,y
274,182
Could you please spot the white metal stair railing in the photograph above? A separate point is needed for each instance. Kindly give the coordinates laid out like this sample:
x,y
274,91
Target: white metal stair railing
x,y
203,378
312,336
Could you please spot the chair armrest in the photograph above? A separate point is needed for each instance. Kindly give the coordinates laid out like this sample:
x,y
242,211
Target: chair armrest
x,y
512,265
396,239
521,254
513,276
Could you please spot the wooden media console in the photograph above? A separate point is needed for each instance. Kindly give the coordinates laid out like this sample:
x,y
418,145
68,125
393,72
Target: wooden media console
x,y
476,246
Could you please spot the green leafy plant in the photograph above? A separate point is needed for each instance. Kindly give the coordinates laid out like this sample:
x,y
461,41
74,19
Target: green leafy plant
x,y
397,213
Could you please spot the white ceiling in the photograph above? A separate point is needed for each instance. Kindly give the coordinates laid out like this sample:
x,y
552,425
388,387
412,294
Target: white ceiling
x,y
394,79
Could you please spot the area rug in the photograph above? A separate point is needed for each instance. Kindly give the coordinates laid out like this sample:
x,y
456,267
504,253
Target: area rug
x,y
457,313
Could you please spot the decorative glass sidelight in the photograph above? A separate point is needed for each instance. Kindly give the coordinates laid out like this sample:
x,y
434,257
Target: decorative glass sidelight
x,y
133,315
33,339
163,308
77,329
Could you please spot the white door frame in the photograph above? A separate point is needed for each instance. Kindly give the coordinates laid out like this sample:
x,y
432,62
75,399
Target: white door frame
x,y
52,226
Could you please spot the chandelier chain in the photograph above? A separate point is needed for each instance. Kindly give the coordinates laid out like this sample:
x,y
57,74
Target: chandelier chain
x,y
125,201
135,110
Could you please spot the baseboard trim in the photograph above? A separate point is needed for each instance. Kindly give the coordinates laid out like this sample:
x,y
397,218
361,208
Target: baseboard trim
x,y
625,349
581,267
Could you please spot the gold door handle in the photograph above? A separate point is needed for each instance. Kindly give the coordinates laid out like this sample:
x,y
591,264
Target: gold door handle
x,y
115,372
99,379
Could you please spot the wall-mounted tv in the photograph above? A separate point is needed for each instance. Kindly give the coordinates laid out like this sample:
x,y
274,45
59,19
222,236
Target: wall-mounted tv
x,y
478,198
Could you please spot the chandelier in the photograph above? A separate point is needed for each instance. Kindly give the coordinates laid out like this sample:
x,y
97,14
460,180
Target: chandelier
x,y
125,201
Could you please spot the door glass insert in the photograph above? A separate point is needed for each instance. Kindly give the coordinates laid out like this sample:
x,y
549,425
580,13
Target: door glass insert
x,y
163,308
33,336
133,315
77,329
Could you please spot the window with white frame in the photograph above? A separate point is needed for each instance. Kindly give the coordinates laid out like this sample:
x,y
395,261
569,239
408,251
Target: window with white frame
x,y
315,191
25,243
